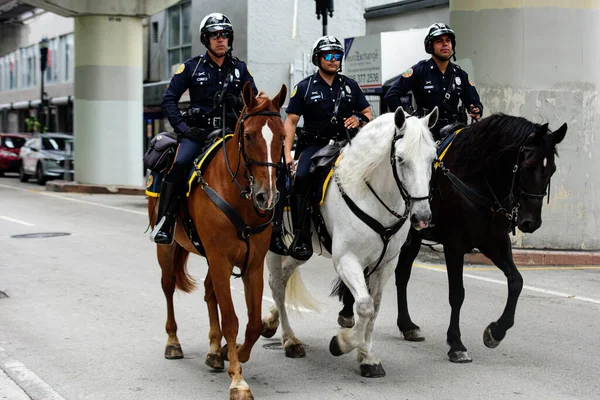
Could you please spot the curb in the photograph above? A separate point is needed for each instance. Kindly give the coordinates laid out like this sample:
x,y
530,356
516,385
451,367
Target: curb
x,y
522,257
74,187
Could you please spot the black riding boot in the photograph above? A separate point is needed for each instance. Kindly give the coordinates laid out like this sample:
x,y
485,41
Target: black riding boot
x,y
165,221
277,245
301,247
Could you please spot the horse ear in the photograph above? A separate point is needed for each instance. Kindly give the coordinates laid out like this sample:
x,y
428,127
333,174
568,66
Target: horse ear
x,y
537,136
399,118
280,98
432,117
248,95
559,134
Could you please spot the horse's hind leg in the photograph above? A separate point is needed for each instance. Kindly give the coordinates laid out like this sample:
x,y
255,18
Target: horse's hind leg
x,y
454,264
172,261
500,253
280,271
213,358
408,253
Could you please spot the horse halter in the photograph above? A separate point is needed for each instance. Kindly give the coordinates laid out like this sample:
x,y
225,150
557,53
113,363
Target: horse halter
x,y
403,192
248,162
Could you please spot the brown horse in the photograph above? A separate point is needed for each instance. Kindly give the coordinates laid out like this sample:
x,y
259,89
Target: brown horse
x,y
234,230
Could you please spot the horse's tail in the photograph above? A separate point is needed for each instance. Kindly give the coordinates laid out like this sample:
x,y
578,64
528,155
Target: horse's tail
x,y
297,296
183,280
341,290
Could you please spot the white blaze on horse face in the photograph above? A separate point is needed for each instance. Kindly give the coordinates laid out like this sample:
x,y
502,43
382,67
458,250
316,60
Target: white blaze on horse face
x,y
267,134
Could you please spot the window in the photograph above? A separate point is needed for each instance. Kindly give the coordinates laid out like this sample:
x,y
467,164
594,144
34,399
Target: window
x,y
55,143
52,68
155,32
180,34
1,74
12,66
66,68
28,64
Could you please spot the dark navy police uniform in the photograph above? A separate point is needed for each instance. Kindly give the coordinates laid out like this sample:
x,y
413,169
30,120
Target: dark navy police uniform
x,y
314,99
429,87
205,80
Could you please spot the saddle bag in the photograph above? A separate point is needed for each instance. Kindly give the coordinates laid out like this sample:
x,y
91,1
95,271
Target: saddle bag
x,y
161,151
324,158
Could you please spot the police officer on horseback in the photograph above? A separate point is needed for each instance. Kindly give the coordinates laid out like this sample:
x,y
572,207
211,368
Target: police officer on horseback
x,y
438,82
332,105
215,81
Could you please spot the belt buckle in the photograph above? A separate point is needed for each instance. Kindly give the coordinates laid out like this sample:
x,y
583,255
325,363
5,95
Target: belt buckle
x,y
216,122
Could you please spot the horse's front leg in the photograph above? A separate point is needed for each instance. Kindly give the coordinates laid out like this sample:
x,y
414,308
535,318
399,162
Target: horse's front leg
x,y
501,254
370,366
280,271
220,271
213,358
454,264
408,253
253,291
350,271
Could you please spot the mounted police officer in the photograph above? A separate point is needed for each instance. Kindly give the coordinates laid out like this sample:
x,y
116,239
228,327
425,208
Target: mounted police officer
x,y
438,82
331,104
215,81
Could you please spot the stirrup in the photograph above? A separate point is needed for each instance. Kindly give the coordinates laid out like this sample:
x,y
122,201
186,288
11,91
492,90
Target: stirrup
x,y
158,229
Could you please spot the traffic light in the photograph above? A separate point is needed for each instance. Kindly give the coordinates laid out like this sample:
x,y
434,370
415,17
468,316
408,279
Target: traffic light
x,y
324,7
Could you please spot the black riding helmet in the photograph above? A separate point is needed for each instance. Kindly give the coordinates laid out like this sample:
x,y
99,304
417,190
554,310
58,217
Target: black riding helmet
x,y
215,22
326,43
439,29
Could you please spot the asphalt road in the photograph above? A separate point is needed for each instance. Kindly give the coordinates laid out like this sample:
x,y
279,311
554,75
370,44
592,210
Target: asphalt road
x,y
84,314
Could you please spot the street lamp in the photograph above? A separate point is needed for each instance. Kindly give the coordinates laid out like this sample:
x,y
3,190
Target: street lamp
x,y
324,7
43,64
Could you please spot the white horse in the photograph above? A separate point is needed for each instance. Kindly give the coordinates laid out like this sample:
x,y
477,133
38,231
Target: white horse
x,y
385,173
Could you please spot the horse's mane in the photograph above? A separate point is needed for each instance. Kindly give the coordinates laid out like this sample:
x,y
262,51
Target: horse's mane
x,y
372,146
480,147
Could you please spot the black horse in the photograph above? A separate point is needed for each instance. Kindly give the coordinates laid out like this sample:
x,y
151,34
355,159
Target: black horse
x,y
493,178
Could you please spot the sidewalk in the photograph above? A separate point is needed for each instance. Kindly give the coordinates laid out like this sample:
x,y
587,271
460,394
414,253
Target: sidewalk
x,y
9,390
522,257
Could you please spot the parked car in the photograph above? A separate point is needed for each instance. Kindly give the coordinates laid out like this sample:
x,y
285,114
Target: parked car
x,y
46,156
10,146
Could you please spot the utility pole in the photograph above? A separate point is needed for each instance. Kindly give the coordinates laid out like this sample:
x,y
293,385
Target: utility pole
x,y
324,7
43,64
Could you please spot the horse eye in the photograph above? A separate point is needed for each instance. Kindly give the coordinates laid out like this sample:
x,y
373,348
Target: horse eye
x,y
248,136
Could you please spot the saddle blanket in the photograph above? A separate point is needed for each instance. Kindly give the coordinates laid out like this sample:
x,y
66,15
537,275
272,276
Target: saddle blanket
x,y
445,145
201,163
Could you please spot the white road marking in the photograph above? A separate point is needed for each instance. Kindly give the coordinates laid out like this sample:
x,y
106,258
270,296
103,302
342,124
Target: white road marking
x,y
56,196
525,287
17,221
26,379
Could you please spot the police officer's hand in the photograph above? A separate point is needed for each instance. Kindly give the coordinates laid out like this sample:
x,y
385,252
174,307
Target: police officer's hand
x,y
351,122
474,112
289,160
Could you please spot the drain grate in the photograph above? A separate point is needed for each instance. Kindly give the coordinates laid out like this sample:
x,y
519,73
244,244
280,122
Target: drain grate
x,y
40,235
3,295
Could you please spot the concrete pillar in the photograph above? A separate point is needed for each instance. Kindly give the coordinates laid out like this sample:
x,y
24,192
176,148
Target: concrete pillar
x,y
108,100
539,59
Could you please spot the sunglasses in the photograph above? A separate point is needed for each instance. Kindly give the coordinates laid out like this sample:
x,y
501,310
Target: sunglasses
x,y
332,56
223,34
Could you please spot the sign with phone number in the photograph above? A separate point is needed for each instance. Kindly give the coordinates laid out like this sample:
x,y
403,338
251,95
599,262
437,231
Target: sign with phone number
x,y
363,61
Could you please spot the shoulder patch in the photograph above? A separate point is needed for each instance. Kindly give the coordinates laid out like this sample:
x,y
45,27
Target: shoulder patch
x,y
180,69
408,73
471,82
294,91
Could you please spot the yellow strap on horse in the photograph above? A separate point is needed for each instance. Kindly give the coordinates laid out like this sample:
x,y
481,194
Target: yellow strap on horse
x,y
200,164
328,178
437,163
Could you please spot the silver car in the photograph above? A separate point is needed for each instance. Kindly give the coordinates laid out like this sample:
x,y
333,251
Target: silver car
x,y
47,156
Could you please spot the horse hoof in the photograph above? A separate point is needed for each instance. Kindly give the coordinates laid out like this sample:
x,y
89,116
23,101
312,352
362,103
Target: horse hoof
x,y
267,332
215,361
240,394
372,371
334,347
414,335
173,352
295,350
488,338
459,357
345,322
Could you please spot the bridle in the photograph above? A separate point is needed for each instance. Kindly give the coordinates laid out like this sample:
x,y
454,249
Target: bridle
x,y
248,162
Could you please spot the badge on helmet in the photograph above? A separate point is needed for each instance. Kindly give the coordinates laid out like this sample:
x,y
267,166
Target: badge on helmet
x,y
326,43
435,30
215,22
